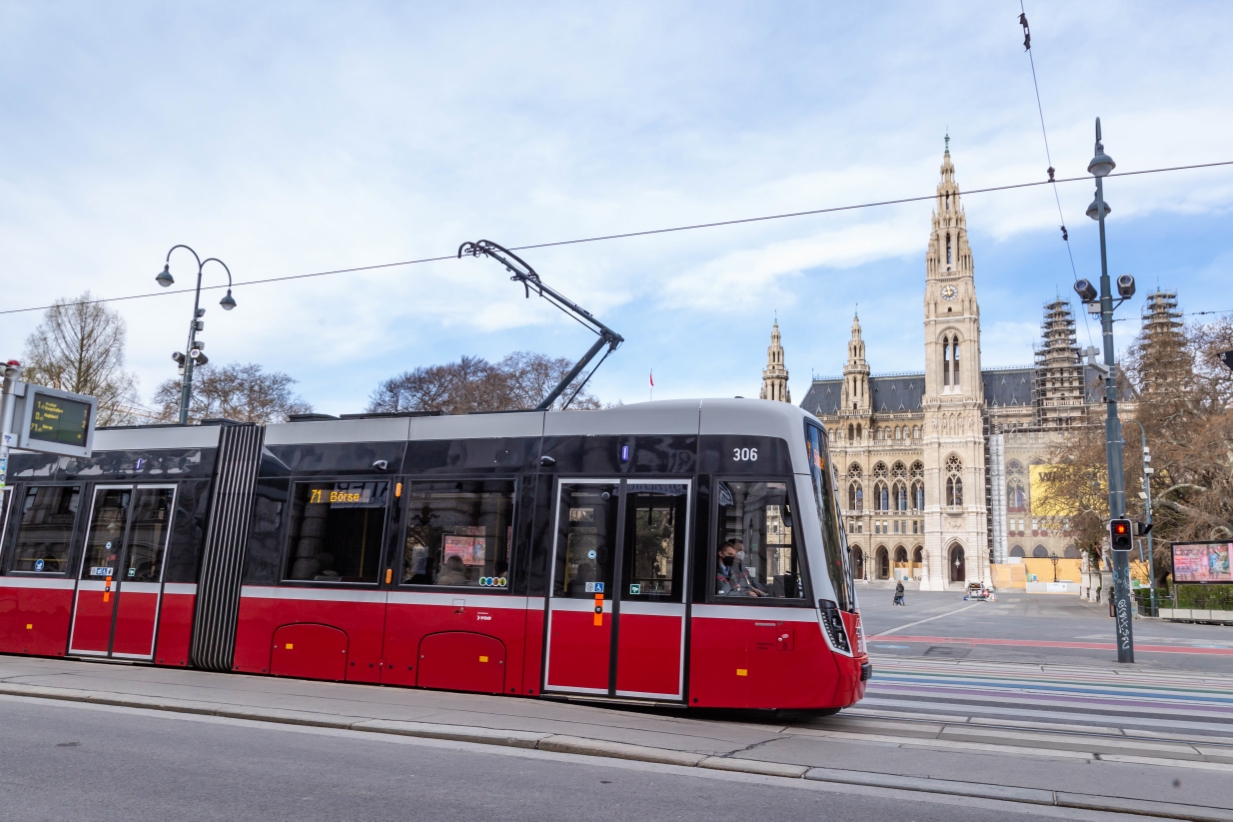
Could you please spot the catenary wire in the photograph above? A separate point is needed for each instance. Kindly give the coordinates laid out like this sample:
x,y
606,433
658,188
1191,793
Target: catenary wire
x,y
1027,46
630,234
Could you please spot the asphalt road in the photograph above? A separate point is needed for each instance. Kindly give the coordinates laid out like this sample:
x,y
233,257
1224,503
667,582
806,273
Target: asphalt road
x,y
1017,623
65,761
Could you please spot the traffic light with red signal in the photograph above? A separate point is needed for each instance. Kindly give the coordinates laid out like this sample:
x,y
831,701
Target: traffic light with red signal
x,y
1121,535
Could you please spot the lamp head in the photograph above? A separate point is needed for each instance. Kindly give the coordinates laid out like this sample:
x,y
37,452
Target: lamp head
x,y
1093,210
164,277
1101,164
227,302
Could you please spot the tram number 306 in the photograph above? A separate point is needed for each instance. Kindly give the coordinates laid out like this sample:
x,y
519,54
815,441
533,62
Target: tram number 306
x,y
745,454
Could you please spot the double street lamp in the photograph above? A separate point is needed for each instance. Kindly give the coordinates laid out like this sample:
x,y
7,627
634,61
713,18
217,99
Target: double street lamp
x,y
193,354
1100,167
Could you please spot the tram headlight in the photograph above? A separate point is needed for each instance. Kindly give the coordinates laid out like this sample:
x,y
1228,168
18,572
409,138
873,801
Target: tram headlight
x,y
832,620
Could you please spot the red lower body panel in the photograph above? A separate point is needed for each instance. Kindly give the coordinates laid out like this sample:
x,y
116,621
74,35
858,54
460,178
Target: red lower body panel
x,y
360,621
429,629
309,651
136,617
175,628
763,663
649,655
462,661
35,620
579,651
92,621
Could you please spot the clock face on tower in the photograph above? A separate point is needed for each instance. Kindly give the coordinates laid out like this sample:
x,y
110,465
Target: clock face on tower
x,y
949,292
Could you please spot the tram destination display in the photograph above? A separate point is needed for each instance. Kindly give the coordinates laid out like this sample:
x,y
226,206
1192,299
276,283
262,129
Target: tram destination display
x,y
56,422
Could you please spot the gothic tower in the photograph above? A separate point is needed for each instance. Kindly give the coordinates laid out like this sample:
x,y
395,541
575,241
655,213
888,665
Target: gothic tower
x,y
956,541
1058,387
775,375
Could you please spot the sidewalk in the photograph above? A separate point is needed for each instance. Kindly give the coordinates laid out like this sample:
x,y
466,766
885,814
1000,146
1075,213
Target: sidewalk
x,y
1102,768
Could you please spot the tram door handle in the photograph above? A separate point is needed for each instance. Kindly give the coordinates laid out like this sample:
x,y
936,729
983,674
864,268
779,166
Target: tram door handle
x,y
460,605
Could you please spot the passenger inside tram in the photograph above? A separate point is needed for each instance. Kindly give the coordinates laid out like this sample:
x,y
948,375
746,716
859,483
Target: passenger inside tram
x,y
731,577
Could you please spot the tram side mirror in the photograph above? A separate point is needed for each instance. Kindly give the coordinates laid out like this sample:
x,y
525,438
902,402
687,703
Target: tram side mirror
x,y
547,461
381,465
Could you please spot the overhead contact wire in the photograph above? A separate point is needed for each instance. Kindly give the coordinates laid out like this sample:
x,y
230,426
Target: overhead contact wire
x,y
628,235
1027,46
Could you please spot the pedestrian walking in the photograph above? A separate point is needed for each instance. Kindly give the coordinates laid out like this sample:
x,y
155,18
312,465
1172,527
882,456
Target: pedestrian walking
x,y
899,593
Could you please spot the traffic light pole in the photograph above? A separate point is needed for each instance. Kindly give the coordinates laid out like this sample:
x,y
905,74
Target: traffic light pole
x,y
1113,441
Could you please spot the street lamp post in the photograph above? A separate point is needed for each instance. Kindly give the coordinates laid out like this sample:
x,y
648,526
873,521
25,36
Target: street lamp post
x,y
193,355
1146,494
1099,167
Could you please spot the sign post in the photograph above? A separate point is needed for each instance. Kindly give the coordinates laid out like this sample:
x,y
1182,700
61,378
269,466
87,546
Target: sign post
x,y
47,420
8,402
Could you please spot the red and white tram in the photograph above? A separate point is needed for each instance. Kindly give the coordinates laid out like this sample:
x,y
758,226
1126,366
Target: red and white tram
x,y
683,552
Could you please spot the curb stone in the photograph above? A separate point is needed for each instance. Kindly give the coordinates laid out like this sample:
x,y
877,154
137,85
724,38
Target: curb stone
x,y
620,750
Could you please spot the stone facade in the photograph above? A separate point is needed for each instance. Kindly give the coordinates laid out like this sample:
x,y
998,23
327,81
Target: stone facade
x,y
935,467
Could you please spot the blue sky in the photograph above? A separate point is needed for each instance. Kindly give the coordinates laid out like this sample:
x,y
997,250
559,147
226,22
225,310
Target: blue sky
x,y
288,138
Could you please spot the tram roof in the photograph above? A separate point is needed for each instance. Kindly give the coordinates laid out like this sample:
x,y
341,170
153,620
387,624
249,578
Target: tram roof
x,y
664,417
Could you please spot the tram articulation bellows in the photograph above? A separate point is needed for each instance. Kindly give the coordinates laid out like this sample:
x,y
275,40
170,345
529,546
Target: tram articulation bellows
x,y
523,273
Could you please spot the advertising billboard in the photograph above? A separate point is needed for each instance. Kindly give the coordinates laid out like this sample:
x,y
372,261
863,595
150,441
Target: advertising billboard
x,y
1202,562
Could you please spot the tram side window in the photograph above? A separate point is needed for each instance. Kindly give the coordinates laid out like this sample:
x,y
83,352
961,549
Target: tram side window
x,y
335,531
45,530
458,534
757,554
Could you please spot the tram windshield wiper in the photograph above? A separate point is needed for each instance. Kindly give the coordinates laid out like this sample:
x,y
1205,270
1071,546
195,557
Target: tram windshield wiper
x,y
526,275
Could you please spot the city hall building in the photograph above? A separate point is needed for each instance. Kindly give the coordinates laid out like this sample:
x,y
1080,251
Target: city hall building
x,y
935,467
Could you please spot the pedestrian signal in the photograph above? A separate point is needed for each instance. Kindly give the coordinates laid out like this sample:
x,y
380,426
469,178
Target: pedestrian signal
x,y
1120,534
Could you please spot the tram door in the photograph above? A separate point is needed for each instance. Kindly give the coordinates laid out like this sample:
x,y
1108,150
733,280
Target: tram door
x,y
616,611
119,586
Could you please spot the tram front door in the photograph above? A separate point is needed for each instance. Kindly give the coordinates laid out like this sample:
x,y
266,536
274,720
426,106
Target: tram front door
x,y
119,587
616,609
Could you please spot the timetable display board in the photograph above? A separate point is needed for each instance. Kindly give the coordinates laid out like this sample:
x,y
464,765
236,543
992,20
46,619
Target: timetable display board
x,y
56,422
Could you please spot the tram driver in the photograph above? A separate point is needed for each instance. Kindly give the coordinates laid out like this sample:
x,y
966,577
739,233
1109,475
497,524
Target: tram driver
x,y
732,578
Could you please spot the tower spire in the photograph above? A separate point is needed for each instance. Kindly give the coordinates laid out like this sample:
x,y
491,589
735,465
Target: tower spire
x,y
775,375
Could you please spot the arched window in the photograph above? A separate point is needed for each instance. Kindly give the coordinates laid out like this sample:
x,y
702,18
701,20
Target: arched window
x,y
918,555
1017,551
883,563
858,432
881,497
850,432
1070,552
946,361
948,255
856,498
901,555
1016,498
901,497
1039,552
954,480
858,562
954,349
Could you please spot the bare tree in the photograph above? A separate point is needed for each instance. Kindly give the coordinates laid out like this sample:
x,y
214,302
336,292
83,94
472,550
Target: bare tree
x,y
79,347
533,375
518,382
243,393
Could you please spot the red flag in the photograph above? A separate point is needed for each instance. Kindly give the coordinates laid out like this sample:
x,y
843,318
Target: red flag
x,y
652,376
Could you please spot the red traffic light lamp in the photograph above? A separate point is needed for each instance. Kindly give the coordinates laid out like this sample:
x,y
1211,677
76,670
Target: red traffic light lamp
x,y
1120,534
